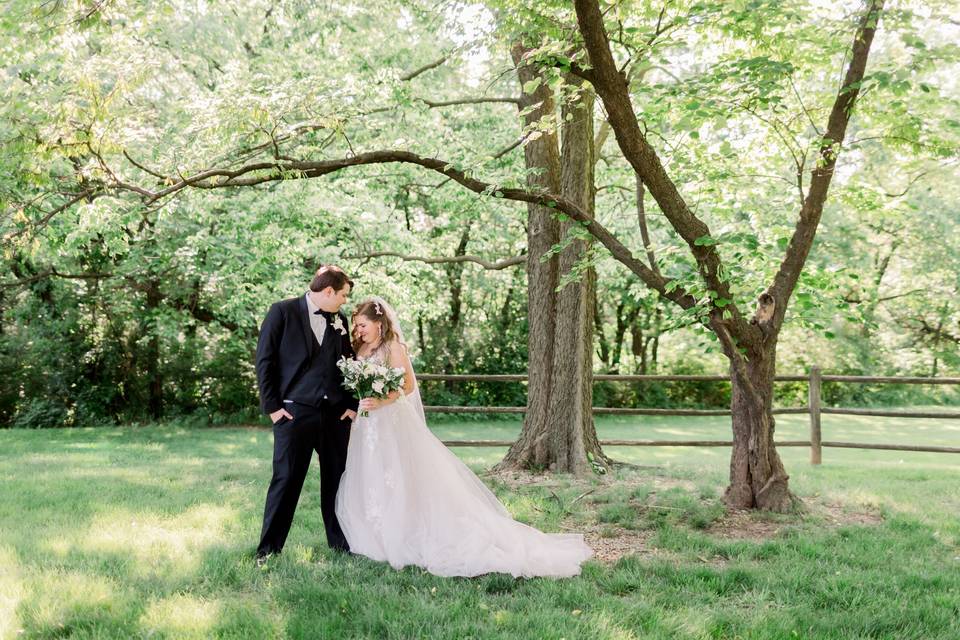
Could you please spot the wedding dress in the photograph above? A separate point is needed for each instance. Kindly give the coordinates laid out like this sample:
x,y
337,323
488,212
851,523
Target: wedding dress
x,y
406,499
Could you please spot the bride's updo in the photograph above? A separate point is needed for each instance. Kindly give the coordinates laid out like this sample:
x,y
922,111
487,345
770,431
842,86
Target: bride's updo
x,y
373,310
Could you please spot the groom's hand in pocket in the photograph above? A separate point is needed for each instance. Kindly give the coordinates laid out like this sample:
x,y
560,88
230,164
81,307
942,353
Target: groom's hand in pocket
x,y
349,413
278,414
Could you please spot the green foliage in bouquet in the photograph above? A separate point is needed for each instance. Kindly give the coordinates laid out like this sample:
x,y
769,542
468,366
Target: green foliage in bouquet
x,y
370,379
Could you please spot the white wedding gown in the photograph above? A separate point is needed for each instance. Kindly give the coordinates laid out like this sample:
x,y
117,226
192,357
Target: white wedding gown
x,y
406,499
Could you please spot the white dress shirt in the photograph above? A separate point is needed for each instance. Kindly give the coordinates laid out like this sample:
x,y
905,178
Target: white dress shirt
x,y
317,322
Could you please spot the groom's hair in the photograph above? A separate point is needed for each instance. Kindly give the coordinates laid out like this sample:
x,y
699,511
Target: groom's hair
x,y
330,275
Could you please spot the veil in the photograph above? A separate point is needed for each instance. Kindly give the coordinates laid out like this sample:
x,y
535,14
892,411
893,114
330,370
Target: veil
x,y
391,315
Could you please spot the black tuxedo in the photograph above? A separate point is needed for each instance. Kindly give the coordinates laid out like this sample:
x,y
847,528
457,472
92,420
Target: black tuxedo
x,y
296,373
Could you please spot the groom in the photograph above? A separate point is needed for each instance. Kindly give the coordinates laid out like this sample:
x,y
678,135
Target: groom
x,y
301,390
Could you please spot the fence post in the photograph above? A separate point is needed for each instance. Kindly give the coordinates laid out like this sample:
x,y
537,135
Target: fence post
x,y
815,448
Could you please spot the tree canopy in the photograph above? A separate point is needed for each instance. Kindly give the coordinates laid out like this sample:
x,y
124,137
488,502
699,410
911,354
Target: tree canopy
x,y
170,168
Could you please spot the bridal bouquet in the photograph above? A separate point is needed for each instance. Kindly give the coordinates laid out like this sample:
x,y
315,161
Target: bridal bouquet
x,y
369,379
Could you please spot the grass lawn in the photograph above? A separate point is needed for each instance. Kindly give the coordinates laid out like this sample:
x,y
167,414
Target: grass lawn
x,y
150,532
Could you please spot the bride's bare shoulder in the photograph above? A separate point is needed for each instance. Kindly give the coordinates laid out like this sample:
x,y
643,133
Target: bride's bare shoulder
x,y
398,353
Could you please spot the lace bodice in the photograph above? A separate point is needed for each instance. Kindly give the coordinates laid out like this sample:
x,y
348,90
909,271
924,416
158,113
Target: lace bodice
x,y
378,355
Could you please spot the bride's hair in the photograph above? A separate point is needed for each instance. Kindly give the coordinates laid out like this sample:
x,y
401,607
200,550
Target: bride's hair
x,y
376,310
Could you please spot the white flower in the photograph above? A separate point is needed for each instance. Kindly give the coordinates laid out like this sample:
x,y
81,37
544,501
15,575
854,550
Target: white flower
x,y
378,386
338,325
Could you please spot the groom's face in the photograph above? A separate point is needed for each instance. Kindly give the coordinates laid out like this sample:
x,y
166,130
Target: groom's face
x,y
339,298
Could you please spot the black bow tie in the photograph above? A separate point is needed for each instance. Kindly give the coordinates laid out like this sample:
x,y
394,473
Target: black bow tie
x,y
326,314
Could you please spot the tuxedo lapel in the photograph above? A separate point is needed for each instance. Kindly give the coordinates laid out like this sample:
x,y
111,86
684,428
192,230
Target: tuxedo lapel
x,y
309,339
337,337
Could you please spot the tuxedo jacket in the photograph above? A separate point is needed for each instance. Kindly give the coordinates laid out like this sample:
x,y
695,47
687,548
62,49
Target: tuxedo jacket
x,y
284,353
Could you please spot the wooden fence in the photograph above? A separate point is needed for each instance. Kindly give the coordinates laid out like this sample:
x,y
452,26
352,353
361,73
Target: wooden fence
x,y
814,409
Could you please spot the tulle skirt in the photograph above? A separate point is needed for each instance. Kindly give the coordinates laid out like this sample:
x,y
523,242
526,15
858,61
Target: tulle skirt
x,y
406,499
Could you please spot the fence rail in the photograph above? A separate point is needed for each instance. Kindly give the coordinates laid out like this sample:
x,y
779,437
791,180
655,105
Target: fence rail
x,y
723,443
814,380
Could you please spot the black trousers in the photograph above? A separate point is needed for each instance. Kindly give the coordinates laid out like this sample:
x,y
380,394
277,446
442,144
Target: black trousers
x,y
294,441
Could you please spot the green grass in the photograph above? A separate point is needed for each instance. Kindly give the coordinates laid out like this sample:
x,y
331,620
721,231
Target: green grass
x,y
150,532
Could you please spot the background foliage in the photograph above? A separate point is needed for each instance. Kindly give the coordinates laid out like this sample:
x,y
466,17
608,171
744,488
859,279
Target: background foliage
x,y
114,310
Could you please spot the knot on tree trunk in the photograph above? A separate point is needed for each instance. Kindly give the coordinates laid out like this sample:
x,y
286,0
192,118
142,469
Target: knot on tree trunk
x,y
775,495
766,306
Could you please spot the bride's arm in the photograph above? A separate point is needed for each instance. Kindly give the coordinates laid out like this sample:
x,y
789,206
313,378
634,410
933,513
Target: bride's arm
x,y
399,358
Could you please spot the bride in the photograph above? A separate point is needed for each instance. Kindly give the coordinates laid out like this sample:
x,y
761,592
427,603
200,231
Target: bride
x,y
406,499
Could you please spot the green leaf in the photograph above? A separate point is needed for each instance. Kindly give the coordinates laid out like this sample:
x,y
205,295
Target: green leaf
x,y
531,85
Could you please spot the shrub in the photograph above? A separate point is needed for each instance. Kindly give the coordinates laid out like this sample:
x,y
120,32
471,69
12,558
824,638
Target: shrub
x,y
41,413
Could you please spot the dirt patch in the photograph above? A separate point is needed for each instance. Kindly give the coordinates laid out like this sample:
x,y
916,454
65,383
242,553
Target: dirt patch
x,y
759,526
746,525
839,515
611,542
516,479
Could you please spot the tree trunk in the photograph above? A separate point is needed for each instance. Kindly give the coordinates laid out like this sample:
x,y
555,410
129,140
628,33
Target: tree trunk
x,y
938,338
421,339
454,328
154,373
604,346
757,477
571,402
639,346
558,432
542,159
871,297
655,343
623,320
506,317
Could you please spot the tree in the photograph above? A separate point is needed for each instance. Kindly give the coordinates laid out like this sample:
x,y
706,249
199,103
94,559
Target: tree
x,y
757,476
709,283
558,430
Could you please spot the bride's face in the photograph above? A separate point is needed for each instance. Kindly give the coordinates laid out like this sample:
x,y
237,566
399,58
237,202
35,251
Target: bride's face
x,y
367,329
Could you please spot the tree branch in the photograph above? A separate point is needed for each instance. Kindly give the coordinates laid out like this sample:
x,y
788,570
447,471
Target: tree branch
x,y
264,172
53,273
142,167
805,231
431,65
642,222
486,264
851,300
91,193
581,72
612,87
499,154
450,103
